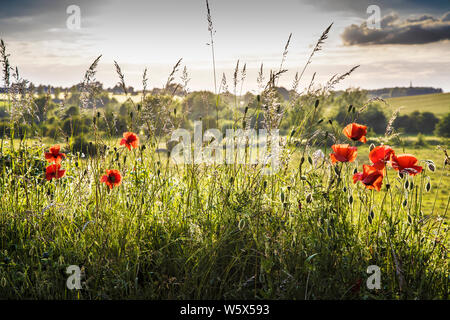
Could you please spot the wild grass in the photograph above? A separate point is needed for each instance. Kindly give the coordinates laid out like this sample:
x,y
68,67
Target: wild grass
x,y
195,231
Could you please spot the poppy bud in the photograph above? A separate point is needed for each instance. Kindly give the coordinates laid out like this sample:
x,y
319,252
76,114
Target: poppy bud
x,y
400,175
131,114
428,186
371,147
349,108
246,109
431,166
139,107
292,132
320,121
350,199
336,170
405,203
330,122
282,196
310,160
316,104
371,216
388,186
355,171
98,114
411,185
175,111
406,184
309,198
302,159
409,219
264,184
344,189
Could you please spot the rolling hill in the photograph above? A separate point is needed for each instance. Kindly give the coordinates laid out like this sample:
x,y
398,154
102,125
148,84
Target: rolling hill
x,y
438,103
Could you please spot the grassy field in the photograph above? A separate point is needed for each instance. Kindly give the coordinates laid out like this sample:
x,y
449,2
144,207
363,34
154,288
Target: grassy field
x,y
218,231
438,103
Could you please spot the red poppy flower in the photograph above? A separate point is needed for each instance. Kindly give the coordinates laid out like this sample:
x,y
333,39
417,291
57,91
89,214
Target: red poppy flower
x,y
343,153
54,155
130,139
53,171
406,163
370,177
356,132
112,178
380,155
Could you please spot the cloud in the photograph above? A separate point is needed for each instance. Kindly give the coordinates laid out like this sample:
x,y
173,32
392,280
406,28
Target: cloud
x,y
393,30
39,19
360,6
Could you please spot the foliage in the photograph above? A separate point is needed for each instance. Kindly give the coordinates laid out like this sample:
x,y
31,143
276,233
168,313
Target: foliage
x,y
443,127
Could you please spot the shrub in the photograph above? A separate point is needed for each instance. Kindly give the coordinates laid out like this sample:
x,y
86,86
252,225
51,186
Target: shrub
x,y
420,141
443,127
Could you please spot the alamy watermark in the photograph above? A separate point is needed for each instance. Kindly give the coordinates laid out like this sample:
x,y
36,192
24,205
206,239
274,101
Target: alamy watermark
x,y
73,21
74,280
374,280
374,20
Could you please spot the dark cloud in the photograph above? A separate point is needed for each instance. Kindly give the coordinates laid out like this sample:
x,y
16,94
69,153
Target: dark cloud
x,y
446,17
425,17
360,6
37,19
424,29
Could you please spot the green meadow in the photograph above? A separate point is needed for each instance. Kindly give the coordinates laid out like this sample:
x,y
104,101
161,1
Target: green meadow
x,y
437,103
300,229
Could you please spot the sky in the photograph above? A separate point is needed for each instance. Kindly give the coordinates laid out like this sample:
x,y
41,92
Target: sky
x,y
410,44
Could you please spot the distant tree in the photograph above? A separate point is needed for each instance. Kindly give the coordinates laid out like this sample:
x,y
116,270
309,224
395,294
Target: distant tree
x,y
123,110
57,91
427,123
40,89
73,126
374,117
72,111
443,127
414,122
403,123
